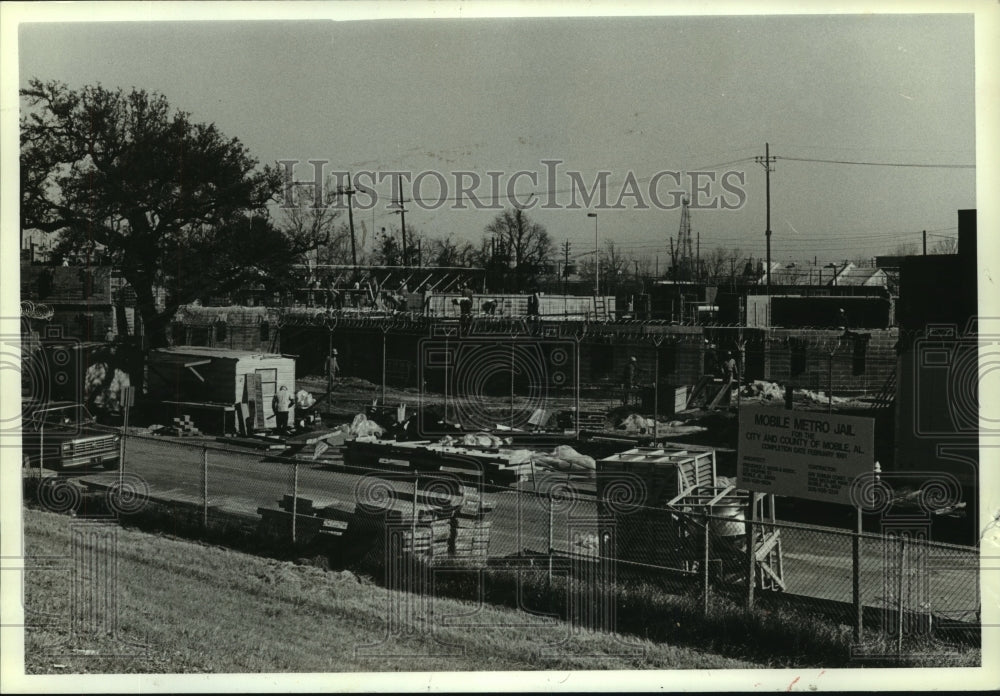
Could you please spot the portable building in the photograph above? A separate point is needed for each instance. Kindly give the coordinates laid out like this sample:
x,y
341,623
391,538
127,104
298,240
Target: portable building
x,y
202,375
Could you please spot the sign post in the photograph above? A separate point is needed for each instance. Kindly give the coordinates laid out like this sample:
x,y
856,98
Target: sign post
x,y
128,400
809,455
815,456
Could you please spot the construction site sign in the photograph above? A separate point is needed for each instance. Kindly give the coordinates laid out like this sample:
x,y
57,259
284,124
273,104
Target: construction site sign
x,y
803,454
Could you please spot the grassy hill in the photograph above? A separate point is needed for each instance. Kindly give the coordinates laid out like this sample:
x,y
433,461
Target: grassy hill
x,y
182,606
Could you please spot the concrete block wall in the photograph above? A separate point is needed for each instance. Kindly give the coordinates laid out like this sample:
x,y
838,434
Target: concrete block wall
x,y
681,360
813,348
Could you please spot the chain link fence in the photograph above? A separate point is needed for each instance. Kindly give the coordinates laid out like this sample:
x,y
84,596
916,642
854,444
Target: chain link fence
x,y
900,586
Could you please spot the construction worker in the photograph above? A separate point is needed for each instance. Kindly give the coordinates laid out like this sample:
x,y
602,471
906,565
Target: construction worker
x,y
465,302
631,368
332,370
281,404
465,308
729,369
428,299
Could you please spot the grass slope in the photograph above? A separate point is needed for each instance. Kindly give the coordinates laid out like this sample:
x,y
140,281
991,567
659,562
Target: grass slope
x,y
181,606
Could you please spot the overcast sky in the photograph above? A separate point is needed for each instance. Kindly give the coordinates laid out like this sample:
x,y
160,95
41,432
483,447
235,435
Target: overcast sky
x,y
636,95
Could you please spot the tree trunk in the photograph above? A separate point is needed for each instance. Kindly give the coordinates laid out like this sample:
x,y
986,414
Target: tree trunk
x,y
154,323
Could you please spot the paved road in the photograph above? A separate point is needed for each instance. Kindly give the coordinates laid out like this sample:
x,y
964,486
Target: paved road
x,y
816,563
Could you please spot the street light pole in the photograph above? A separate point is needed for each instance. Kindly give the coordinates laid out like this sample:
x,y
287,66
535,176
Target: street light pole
x,y
597,258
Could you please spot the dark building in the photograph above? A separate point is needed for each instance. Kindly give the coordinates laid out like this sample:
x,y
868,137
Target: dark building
x,y
937,402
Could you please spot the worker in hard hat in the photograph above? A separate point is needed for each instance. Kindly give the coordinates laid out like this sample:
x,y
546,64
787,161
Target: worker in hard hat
x,y
628,379
332,370
281,404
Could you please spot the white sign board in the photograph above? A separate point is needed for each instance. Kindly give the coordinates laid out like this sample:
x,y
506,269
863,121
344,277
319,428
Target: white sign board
x,y
803,454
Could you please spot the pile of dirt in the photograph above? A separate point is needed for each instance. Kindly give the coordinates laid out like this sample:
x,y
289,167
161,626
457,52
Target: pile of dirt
x,y
353,384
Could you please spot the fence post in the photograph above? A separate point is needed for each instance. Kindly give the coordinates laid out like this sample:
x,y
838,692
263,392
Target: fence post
x,y
705,562
204,488
295,496
413,523
550,539
856,578
899,597
384,332
751,517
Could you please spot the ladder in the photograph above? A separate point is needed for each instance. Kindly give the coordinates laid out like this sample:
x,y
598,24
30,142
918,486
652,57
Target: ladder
x,y
887,395
600,307
725,391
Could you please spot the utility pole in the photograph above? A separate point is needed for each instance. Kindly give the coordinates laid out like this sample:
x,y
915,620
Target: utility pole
x,y
925,242
349,192
766,161
597,258
566,249
402,220
697,264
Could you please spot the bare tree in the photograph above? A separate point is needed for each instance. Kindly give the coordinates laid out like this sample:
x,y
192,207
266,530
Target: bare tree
x,y
909,249
445,251
716,264
945,245
519,242
615,266
307,217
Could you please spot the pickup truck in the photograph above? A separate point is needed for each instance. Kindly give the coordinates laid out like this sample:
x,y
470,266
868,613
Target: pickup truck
x,y
63,435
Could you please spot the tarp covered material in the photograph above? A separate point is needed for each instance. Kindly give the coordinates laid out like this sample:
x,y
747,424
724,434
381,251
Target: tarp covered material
x,y
821,397
361,426
304,399
635,423
475,440
766,390
565,458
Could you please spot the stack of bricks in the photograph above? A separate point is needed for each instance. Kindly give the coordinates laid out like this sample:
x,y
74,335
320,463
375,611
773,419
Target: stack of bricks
x,y
184,427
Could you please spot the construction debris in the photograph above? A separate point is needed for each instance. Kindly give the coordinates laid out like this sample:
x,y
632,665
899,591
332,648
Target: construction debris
x,y
765,390
566,459
637,424
484,440
361,426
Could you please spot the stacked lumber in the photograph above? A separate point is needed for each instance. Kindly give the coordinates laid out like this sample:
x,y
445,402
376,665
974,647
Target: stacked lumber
x,y
311,519
251,442
467,463
591,420
182,426
442,522
470,530
439,524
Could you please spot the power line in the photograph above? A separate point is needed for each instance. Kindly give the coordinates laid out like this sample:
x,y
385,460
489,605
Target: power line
x,y
881,164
